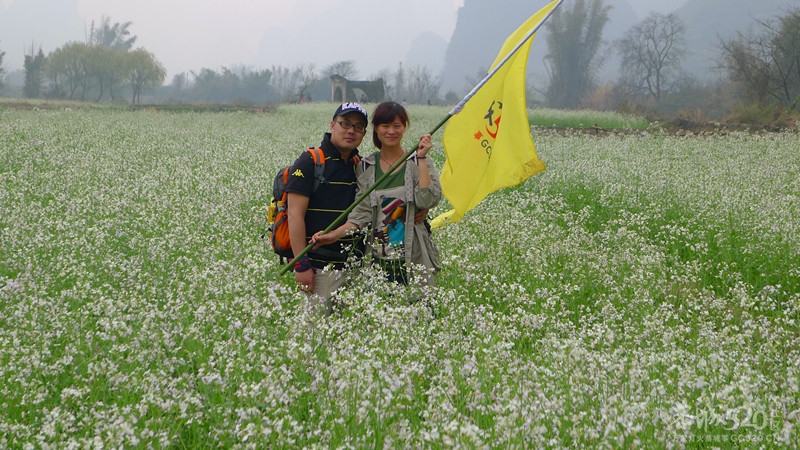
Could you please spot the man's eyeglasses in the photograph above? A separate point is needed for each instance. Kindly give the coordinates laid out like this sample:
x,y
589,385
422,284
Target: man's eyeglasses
x,y
360,128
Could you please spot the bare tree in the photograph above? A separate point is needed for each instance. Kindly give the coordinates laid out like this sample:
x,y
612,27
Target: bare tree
x,y
345,69
422,86
400,89
415,85
651,55
281,81
292,84
387,76
747,60
305,75
767,64
786,40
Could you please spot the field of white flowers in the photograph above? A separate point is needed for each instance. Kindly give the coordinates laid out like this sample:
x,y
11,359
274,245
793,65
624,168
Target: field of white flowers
x,y
643,291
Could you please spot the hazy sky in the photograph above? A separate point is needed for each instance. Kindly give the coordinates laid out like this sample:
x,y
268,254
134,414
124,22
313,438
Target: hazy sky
x,y
188,35
192,34
216,33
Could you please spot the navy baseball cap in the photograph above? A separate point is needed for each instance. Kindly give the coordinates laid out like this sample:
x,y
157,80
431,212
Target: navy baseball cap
x,y
352,107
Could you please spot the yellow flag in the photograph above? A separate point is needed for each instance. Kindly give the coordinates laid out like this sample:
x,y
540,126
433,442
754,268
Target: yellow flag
x,y
488,143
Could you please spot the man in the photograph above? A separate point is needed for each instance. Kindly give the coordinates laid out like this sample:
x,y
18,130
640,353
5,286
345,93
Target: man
x,y
321,271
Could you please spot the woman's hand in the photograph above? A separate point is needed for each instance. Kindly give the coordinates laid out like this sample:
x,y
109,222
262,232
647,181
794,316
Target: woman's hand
x,y
320,239
329,238
424,145
420,216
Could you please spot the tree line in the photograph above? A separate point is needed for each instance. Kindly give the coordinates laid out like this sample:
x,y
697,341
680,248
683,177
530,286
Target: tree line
x,y
303,82
103,68
762,67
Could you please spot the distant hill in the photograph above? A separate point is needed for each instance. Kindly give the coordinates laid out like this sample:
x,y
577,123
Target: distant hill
x,y
427,50
483,25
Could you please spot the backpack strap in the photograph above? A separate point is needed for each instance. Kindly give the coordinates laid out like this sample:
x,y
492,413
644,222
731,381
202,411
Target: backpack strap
x,y
285,177
318,155
364,164
319,165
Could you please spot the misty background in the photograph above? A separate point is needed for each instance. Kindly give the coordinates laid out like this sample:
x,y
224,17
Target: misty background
x,y
453,40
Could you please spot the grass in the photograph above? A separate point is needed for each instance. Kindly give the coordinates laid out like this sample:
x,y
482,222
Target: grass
x,y
641,292
585,119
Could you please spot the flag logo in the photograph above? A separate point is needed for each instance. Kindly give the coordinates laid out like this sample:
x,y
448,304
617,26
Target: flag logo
x,y
492,128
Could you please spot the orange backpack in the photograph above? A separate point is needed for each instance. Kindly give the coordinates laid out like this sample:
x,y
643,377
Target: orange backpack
x,y
277,211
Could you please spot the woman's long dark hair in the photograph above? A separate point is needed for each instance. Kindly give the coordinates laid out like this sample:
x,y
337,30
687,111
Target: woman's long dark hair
x,y
386,112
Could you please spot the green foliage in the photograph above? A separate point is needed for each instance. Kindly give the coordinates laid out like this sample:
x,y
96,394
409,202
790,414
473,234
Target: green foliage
x,y
2,71
573,42
115,37
756,115
79,71
641,292
33,74
585,119
231,86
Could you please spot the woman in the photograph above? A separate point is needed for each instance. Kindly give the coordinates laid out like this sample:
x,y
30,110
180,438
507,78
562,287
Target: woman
x,y
400,243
